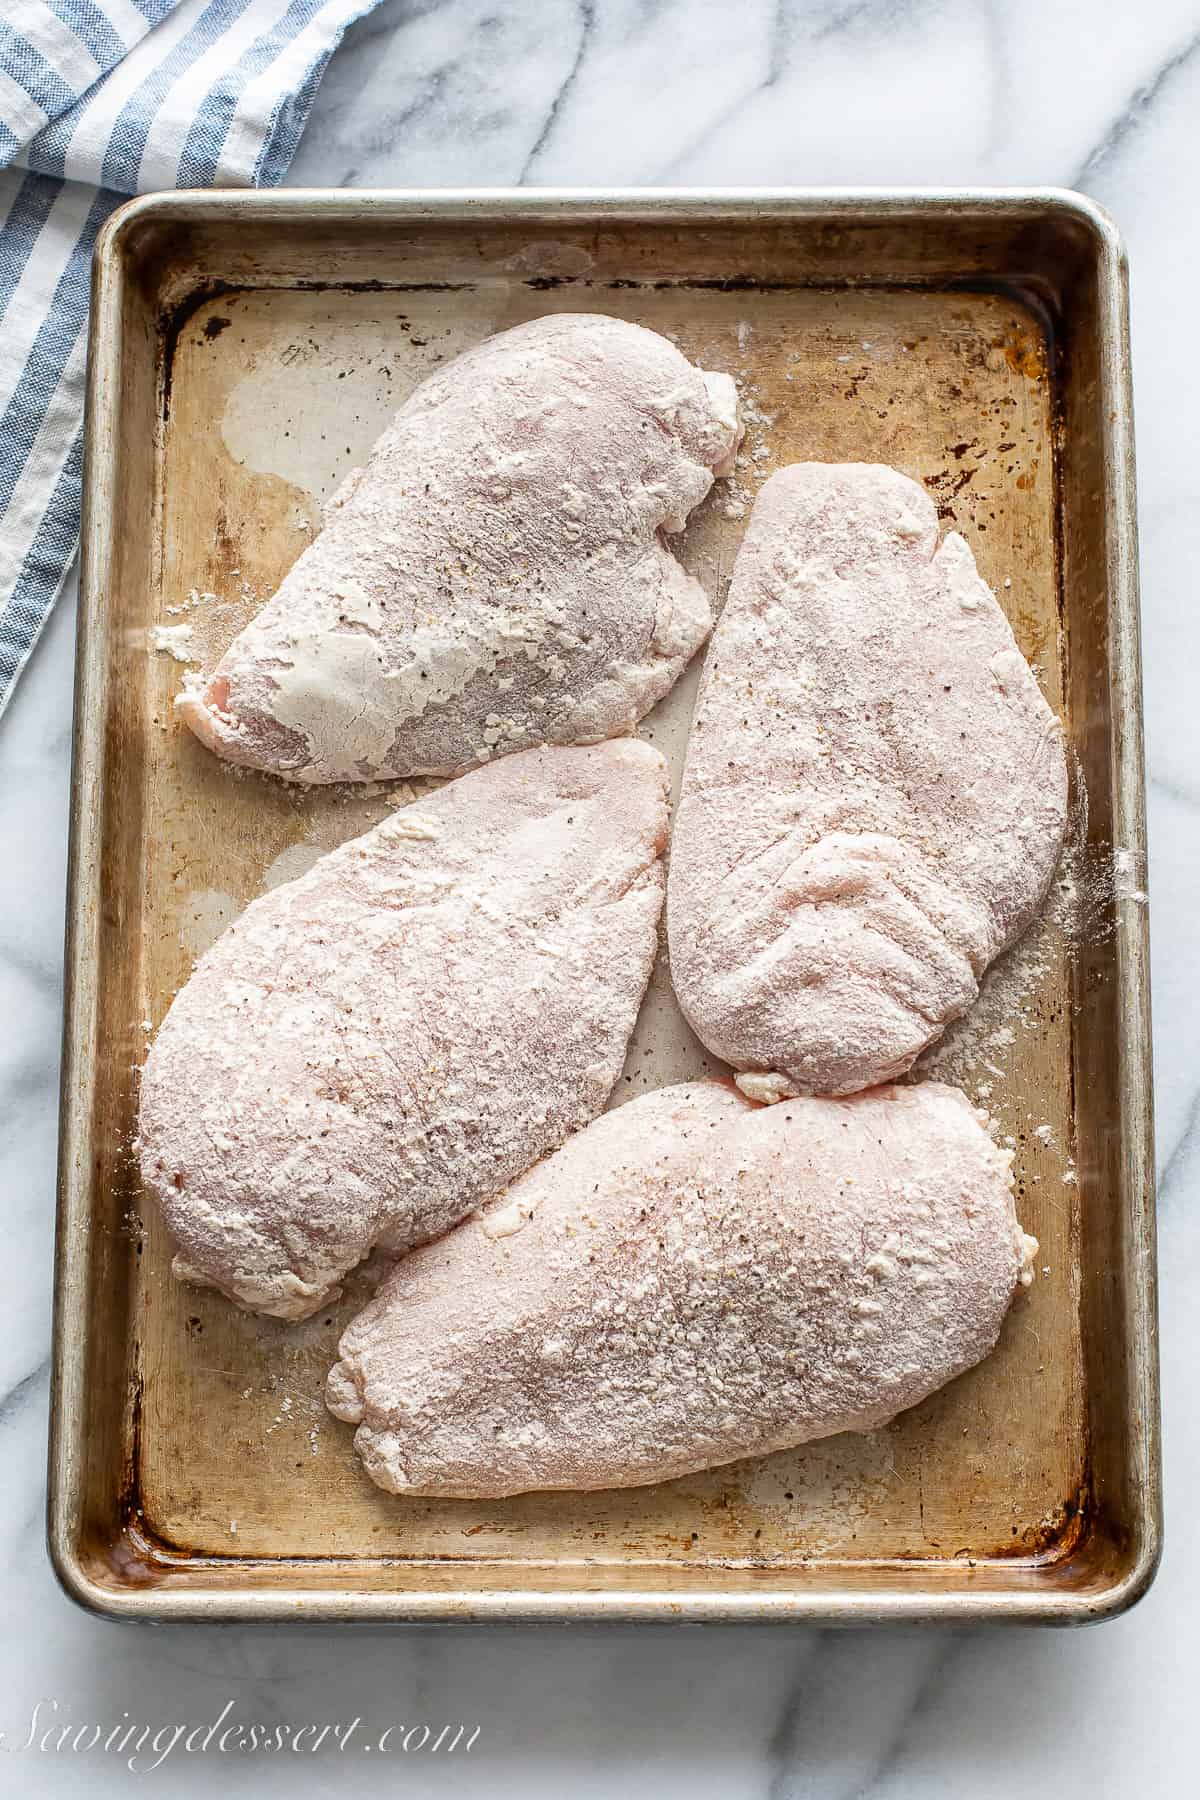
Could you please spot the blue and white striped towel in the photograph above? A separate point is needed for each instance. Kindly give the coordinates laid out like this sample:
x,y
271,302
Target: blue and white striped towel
x,y
100,99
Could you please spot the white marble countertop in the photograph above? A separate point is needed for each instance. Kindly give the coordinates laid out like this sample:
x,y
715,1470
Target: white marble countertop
x,y
1104,98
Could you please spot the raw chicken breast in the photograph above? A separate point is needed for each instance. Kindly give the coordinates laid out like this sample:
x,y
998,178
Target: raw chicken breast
x,y
875,794
497,575
372,1050
691,1280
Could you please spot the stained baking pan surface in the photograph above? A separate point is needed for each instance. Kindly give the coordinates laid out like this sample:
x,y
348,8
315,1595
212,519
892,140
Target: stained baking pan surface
x,y
246,350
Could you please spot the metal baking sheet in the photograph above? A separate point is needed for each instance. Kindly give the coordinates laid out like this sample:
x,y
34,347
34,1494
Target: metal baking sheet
x,y
246,349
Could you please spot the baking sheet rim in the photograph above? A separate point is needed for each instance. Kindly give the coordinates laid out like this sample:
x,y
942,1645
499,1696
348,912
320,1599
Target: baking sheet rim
x,y
70,1343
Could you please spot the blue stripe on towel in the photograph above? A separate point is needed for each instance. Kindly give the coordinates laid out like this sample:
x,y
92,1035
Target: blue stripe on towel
x,y
205,141
22,229
128,141
94,29
24,63
46,251
56,337
44,569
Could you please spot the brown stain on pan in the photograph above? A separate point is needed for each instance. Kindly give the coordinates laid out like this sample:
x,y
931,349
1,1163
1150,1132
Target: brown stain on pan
x,y
947,379
953,408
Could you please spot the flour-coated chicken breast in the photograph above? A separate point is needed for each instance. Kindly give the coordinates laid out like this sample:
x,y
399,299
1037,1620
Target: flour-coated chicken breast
x,y
374,1049
497,575
690,1280
875,793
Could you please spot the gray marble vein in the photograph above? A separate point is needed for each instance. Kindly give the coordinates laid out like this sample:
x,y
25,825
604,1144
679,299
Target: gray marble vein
x,y
1176,1170
15,1398
587,28
1133,116
861,1701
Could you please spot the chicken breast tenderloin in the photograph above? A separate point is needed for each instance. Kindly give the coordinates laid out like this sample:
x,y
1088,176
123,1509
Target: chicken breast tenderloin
x,y
372,1050
875,794
691,1280
497,575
